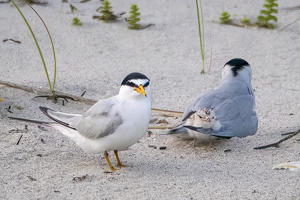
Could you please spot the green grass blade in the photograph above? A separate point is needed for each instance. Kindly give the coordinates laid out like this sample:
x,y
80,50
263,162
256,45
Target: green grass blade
x,y
202,21
35,43
54,57
200,33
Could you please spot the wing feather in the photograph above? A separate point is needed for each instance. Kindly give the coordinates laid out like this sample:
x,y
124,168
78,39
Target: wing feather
x,y
234,110
100,120
64,119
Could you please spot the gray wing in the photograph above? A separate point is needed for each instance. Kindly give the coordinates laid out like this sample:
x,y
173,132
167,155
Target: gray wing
x,y
234,109
237,114
216,97
100,120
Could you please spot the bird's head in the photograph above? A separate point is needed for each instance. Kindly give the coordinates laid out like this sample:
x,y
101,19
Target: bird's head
x,y
136,84
237,68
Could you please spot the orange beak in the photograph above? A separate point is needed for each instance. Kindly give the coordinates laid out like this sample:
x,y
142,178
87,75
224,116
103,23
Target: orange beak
x,y
141,90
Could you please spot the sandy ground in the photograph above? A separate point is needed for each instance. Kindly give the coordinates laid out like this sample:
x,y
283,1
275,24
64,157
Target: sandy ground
x,y
97,56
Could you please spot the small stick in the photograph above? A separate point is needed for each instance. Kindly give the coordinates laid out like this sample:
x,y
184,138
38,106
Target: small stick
x,y
12,40
238,25
8,109
210,59
160,127
19,140
287,133
57,94
167,112
288,25
83,94
276,144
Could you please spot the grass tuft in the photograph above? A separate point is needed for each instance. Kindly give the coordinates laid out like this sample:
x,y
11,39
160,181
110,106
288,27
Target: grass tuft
x,y
105,10
134,17
245,21
224,19
73,8
267,14
38,47
76,22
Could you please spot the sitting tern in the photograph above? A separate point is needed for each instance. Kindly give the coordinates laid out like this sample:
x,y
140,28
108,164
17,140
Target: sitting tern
x,y
228,111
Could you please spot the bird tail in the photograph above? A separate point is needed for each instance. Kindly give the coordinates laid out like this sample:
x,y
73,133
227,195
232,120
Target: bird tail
x,y
224,134
45,123
178,129
62,122
61,128
59,117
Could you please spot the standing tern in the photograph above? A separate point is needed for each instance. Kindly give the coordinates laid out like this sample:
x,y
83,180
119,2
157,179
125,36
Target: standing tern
x,y
111,124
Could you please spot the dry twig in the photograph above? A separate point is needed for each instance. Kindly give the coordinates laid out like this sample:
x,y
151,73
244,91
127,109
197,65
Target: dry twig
x,y
19,140
289,24
56,95
276,144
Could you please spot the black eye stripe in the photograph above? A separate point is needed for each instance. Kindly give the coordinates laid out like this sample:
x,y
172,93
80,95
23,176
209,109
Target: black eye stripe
x,y
131,84
133,76
146,84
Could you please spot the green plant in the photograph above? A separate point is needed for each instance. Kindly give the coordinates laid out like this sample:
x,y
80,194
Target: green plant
x,y
73,8
201,31
224,19
263,21
32,2
105,10
134,17
38,47
28,1
245,21
76,22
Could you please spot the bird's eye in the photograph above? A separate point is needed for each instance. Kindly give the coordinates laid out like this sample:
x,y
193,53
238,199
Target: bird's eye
x,y
146,84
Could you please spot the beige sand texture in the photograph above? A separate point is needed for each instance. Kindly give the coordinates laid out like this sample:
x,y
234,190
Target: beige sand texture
x,y
97,56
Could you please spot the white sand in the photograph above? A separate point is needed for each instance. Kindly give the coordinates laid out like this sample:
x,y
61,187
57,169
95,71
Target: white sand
x,y
97,56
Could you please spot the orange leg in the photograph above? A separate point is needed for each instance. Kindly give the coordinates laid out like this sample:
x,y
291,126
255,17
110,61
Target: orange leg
x,y
119,162
108,161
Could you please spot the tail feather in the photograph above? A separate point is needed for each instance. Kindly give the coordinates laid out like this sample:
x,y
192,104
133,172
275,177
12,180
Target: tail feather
x,y
47,112
179,129
31,120
61,122
226,134
58,117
